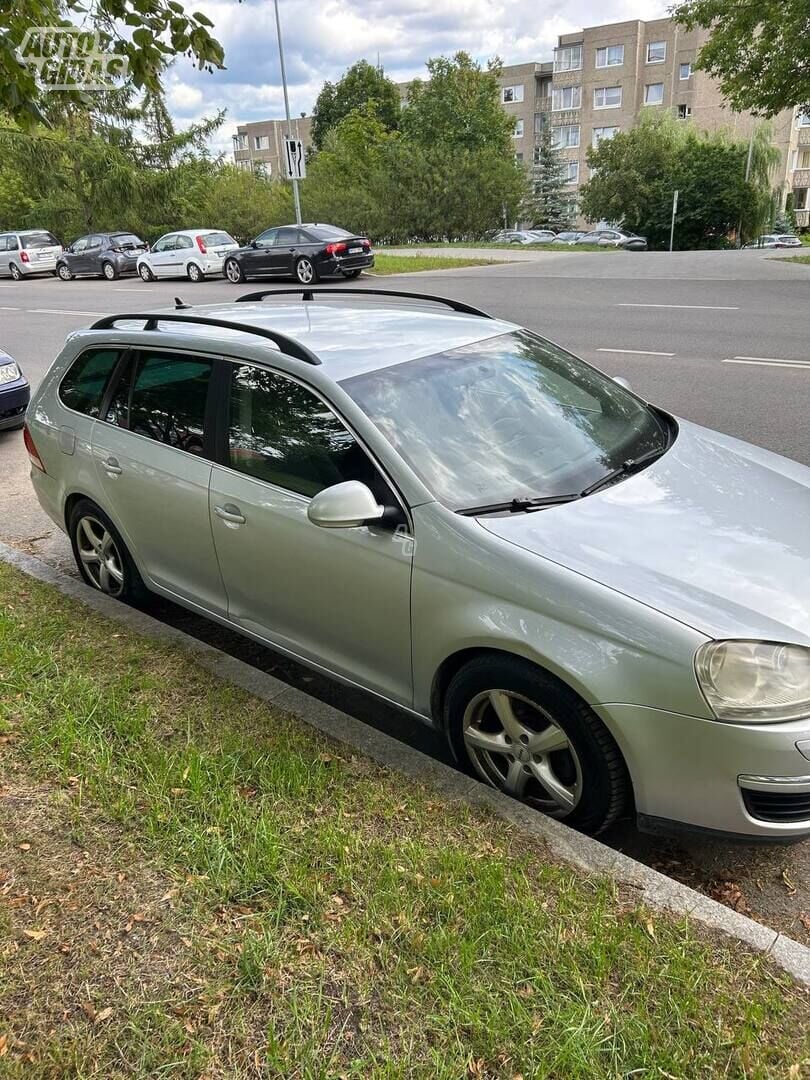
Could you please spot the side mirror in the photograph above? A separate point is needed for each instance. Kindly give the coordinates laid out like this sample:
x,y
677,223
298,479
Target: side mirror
x,y
344,506
253,243
620,379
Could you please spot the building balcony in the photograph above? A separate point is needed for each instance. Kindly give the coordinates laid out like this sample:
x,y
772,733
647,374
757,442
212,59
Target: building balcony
x,y
801,178
802,218
542,104
804,136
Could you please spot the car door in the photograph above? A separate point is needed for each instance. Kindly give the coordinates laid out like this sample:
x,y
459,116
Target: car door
x,y
160,256
337,597
183,251
91,259
285,250
258,258
4,270
74,258
150,450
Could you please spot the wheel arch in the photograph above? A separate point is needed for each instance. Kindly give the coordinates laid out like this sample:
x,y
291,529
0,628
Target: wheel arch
x,y
75,497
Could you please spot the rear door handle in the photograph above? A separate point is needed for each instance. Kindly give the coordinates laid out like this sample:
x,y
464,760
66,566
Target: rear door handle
x,y
112,467
230,513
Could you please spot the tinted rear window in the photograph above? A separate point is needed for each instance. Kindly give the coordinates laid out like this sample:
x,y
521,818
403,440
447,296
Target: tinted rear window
x,y
39,239
217,239
328,232
83,387
126,239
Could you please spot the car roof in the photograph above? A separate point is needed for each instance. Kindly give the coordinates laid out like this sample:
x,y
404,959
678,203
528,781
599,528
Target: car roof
x,y
349,336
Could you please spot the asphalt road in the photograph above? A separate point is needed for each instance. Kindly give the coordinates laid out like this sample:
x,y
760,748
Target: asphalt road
x,y
720,338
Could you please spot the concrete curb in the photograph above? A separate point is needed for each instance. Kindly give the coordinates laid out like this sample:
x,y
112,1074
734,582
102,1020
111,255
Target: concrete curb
x,y
587,854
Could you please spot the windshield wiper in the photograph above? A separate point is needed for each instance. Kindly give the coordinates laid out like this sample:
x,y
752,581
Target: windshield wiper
x,y
628,466
517,506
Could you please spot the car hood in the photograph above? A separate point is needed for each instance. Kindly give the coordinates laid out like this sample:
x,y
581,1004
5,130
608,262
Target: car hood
x,y
716,534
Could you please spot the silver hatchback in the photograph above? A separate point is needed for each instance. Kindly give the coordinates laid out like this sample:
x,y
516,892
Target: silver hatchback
x,y
605,609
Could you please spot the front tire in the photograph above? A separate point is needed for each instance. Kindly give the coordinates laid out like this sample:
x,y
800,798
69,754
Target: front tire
x,y
527,734
195,274
101,555
63,272
305,272
234,272
109,271
144,273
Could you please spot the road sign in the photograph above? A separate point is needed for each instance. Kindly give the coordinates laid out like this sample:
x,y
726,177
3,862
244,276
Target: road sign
x,y
295,161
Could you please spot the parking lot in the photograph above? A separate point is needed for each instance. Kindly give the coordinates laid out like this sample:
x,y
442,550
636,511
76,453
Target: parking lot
x,y
722,338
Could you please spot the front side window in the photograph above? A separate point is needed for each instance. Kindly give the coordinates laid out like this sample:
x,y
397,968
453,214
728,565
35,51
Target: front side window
x,y
267,238
81,245
610,56
166,243
283,434
607,97
511,94
568,58
85,382
656,52
566,97
602,133
510,417
653,93
162,396
566,135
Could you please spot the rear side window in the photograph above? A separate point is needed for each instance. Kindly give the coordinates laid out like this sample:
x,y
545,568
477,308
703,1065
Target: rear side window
x,y
283,434
163,397
83,387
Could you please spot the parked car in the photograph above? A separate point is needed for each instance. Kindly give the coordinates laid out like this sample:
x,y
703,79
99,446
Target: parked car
x,y
569,237
614,238
601,606
27,253
542,236
306,253
191,253
776,240
107,255
514,236
14,393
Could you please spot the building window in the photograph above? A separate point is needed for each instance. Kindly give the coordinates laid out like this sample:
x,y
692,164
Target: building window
x,y
511,94
654,93
802,159
240,141
656,52
261,142
518,132
610,56
685,71
568,58
539,123
566,97
572,172
804,119
800,198
684,112
602,133
519,157
607,97
566,135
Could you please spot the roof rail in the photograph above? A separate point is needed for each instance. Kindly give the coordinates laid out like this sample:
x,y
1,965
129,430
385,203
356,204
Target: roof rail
x,y
289,346
310,294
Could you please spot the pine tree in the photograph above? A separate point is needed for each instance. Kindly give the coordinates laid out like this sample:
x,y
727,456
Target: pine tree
x,y
550,205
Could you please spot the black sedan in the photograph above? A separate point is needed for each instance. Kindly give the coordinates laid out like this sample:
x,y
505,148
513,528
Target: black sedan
x,y
304,252
106,255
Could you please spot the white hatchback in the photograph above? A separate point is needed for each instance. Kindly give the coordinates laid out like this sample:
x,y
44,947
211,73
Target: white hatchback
x,y
189,253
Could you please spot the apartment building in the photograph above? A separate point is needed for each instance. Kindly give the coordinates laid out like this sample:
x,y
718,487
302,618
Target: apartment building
x,y
260,145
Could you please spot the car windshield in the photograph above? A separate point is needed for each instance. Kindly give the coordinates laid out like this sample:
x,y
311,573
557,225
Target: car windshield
x,y
511,417
327,232
126,240
217,239
38,240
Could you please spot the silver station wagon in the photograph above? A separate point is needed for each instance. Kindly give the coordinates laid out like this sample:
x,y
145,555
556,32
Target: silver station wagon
x,y
606,610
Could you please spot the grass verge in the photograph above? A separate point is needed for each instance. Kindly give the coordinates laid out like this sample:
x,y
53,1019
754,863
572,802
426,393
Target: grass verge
x,y
409,264
195,885
792,258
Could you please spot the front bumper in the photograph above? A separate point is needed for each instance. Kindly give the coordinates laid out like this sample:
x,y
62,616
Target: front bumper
x,y
336,266
14,398
700,774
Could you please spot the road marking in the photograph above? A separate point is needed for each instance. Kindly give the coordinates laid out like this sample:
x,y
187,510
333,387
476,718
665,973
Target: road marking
x,y
768,363
61,311
771,360
694,307
9,309
637,352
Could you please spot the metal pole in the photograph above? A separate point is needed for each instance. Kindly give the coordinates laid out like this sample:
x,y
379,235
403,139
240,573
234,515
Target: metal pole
x,y
747,175
672,225
296,196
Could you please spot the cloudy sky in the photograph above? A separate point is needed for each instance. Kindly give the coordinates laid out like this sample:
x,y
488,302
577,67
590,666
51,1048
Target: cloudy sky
x,y
323,37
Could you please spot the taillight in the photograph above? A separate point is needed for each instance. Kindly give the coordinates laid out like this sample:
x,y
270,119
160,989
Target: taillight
x,y
335,249
24,256
366,245
201,245
33,453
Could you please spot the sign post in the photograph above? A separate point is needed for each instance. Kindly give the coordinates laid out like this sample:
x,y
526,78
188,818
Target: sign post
x,y
674,212
293,175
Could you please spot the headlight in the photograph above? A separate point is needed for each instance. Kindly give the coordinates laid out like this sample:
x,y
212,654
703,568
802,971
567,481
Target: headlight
x,y
755,681
9,372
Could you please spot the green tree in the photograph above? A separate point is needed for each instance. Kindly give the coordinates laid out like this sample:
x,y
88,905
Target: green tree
x,y
549,204
146,34
458,107
634,174
363,86
243,203
759,50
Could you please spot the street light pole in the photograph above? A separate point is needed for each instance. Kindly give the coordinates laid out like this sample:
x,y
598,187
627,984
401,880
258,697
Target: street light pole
x,y
296,195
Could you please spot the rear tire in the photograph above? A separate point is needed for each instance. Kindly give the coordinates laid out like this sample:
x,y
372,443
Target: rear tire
x,y
195,274
144,273
305,272
101,555
15,271
234,272
109,271
529,735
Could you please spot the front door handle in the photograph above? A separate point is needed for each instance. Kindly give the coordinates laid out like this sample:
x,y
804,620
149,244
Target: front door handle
x,y
111,466
230,513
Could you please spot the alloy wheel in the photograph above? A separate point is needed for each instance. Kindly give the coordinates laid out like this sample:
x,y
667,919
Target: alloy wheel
x,y
304,271
233,272
64,272
109,271
99,555
194,273
144,272
516,746
16,273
